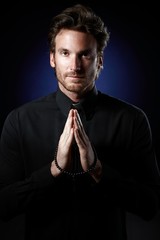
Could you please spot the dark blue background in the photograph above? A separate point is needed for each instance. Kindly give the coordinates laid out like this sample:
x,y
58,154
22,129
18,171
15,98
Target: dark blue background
x,y
131,65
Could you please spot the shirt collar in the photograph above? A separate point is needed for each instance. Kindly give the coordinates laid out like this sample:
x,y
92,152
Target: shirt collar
x,y
87,104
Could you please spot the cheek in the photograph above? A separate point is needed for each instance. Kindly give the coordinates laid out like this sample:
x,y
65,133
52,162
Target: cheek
x,y
93,68
60,70
95,71
62,64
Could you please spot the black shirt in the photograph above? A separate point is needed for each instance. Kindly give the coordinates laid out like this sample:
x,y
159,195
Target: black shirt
x,y
77,208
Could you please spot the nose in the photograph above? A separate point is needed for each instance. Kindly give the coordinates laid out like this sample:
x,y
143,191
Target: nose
x,y
75,63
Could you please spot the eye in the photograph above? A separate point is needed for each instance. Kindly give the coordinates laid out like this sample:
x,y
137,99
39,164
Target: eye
x,y
87,55
64,53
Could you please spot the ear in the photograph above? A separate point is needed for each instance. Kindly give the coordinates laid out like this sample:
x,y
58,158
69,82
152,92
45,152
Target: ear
x,y
99,66
100,63
52,59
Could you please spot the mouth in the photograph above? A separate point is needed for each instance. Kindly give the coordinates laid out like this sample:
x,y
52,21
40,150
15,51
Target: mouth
x,y
75,78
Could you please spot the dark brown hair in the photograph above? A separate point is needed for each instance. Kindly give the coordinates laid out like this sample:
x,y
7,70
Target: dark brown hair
x,y
79,18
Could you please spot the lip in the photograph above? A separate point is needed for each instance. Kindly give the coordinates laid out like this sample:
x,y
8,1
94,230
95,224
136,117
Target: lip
x,y
74,76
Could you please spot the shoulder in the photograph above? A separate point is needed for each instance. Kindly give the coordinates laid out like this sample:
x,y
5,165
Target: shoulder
x,y
36,106
48,100
116,106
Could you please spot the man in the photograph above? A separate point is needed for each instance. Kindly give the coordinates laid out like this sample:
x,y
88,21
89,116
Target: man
x,y
75,161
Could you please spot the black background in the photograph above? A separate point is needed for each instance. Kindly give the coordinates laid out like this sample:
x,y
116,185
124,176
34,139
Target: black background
x,y
23,23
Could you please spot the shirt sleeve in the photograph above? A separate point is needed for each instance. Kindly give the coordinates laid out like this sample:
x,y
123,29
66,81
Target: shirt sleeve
x,y
17,191
138,190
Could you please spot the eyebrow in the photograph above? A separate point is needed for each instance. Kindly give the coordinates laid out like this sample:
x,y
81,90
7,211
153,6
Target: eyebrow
x,y
88,50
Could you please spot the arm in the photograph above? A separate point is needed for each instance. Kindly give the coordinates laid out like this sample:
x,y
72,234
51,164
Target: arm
x,y
134,192
135,184
17,190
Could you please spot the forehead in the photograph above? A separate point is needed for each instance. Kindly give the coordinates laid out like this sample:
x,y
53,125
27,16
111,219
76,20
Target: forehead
x,y
70,39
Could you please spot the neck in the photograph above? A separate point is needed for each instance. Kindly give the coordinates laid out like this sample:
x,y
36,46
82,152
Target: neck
x,y
74,96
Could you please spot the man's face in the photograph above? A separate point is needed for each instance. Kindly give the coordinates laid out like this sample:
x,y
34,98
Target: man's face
x,y
75,61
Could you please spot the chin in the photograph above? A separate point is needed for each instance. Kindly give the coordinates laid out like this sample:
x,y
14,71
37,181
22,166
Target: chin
x,y
75,88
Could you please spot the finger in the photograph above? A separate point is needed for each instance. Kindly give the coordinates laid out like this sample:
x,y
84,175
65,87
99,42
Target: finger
x,y
79,119
78,123
69,123
67,134
79,132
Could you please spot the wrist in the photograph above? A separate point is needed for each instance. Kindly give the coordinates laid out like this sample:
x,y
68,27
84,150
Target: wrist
x,y
97,171
54,170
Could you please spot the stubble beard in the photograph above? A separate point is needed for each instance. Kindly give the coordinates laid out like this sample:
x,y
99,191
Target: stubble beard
x,y
71,87
77,88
